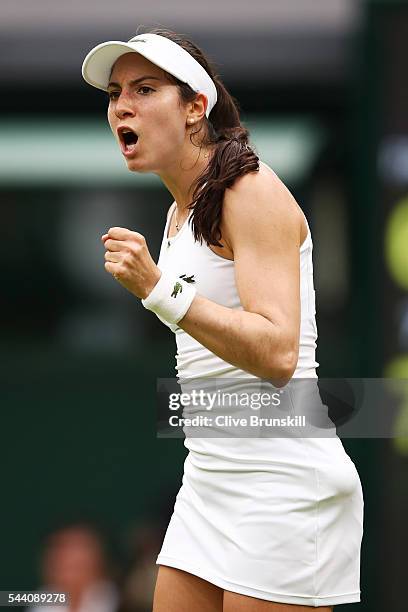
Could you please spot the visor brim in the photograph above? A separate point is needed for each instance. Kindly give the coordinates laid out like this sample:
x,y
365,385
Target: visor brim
x,y
97,65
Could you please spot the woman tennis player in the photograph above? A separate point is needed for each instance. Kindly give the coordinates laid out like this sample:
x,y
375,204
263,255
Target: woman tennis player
x,y
267,525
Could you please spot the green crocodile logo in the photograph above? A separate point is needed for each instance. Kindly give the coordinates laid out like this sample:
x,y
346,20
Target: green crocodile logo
x,y
178,287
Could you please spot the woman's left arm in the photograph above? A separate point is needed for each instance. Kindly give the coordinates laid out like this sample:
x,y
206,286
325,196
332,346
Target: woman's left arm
x,y
262,222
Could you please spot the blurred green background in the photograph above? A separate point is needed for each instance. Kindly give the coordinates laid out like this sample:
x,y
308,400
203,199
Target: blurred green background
x,y
324,92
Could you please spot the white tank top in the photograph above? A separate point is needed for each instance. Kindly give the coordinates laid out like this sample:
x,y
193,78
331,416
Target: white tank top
x,y
215,279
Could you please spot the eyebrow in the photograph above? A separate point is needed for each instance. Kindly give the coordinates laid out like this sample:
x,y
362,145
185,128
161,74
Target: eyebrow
x,y
136,81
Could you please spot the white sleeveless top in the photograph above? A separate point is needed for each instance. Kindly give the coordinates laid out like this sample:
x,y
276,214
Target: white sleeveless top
x,y
215,279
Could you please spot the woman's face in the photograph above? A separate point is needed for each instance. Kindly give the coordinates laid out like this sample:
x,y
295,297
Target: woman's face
x,y
144,102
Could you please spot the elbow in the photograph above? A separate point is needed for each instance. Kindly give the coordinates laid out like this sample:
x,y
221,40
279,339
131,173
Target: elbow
x,y
283,367
281,357
292,361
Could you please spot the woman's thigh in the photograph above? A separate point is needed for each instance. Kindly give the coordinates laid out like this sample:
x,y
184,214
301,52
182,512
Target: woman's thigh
x,y
233,602
179,591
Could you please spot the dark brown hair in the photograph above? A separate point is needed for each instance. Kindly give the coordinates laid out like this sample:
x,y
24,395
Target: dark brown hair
x,y
232,156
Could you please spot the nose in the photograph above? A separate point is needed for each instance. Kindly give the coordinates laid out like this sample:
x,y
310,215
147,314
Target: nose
x,y
124,107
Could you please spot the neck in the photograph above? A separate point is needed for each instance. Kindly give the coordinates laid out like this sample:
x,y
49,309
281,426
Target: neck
x,y
180,176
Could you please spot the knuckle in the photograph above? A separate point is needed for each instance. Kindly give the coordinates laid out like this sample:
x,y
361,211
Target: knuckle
x,y
140,244
134,250
113,232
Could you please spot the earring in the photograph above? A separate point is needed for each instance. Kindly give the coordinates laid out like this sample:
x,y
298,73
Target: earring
x,y
190,120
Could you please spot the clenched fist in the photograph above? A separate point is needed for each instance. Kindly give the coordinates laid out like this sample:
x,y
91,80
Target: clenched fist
x,y
128,259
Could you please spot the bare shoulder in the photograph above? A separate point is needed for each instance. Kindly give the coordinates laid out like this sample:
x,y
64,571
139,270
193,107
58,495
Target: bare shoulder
x,y
260,202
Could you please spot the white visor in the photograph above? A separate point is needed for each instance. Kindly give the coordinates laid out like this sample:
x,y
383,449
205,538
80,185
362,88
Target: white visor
x,y
161,51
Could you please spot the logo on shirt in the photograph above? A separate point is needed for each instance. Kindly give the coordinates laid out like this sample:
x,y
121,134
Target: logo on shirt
x,y
178,287
188,279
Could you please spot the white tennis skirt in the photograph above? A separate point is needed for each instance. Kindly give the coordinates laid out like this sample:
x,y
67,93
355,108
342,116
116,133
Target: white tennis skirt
x,y
285,529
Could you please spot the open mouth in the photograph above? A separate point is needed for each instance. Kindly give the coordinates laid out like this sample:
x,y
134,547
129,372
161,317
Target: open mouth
x,y
128,140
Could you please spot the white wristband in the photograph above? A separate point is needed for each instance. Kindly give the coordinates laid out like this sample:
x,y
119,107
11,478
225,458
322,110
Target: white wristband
x,y
170,298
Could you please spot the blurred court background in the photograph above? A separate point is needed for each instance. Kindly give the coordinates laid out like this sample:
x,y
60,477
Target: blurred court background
x,y
323,88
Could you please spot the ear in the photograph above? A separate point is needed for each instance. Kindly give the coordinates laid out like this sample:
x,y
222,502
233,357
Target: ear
x,y
196,109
